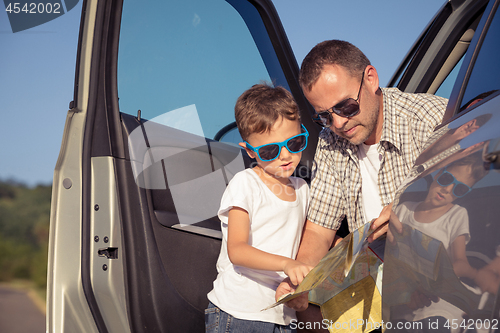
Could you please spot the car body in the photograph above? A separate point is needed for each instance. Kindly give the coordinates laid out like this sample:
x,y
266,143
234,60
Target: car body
x,y
149,147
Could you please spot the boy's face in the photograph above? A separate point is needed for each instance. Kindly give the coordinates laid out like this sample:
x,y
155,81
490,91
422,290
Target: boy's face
x,y
284,165
442,195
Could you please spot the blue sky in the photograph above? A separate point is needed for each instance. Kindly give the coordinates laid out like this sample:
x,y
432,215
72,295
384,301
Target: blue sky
x,y
37,67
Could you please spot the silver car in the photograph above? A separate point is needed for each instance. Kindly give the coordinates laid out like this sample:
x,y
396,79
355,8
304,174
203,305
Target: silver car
x,y
150,144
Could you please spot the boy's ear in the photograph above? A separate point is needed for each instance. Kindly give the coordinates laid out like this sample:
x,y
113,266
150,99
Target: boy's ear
x,y
249,152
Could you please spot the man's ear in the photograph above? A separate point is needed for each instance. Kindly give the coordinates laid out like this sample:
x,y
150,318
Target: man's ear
x,y
371,77
249,152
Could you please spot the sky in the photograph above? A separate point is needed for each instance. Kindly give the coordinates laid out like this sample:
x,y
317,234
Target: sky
x,y
37,67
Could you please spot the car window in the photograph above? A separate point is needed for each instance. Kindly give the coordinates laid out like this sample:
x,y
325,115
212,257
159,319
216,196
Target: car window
x,y
447,85
186,72
485,77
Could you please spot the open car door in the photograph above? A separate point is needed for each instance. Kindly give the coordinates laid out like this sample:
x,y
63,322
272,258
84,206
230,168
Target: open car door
x,y
148,149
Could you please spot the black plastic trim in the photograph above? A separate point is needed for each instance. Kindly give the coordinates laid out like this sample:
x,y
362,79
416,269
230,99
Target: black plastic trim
x,y
74,102
470,59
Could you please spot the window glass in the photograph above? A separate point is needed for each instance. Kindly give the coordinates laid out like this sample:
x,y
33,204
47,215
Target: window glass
x,y
485,77
447,86
183,64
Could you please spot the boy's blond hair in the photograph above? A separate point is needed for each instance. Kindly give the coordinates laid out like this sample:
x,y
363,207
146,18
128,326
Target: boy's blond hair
x,y
258,109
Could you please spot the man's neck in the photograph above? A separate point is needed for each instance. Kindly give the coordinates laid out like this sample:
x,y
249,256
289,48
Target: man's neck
x,y
377,132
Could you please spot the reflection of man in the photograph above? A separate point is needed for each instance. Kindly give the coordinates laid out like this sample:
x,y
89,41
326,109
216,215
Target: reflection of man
x,y
371,138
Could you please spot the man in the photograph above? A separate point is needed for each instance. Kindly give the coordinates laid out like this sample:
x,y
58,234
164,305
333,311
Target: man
x,y
370,140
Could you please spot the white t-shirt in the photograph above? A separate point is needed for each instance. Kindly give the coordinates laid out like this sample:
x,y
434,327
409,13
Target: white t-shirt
x,y
275,227
446,229
369,166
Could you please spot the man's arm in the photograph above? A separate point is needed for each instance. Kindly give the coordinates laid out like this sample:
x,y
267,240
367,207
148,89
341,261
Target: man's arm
x,y
316,242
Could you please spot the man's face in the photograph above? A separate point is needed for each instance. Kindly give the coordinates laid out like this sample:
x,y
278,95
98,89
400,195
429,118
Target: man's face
x,y
335,85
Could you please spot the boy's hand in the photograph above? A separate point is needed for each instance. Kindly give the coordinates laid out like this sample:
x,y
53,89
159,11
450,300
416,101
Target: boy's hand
x,y
296,271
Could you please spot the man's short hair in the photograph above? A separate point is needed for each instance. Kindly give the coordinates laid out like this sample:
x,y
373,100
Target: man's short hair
x,y
258,109
331,52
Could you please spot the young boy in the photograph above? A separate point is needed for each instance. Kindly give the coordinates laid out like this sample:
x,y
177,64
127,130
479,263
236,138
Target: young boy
x,y
262,211
438,217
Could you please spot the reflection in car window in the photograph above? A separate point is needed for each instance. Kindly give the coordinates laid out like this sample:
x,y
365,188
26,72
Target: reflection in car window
x,y
185,65
485,76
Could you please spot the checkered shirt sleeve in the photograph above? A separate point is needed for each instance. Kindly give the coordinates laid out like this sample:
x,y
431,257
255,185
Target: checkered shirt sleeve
x,y
326,207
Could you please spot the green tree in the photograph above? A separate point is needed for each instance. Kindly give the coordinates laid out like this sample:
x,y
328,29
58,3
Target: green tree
x,y
24,228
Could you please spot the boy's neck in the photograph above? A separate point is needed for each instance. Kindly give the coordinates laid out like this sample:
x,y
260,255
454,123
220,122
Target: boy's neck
x,y
425,213
269,178
282,187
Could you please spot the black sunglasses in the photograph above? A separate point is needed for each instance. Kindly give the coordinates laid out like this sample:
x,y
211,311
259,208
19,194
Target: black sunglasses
x,y
347,108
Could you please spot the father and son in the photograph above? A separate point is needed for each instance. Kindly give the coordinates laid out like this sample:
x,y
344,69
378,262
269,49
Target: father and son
x,y
275,227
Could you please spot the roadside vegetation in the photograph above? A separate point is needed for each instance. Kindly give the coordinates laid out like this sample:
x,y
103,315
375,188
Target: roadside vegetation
x,y
24,232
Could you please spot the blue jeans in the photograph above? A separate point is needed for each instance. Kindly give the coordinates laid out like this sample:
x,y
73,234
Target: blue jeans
x,y
218,321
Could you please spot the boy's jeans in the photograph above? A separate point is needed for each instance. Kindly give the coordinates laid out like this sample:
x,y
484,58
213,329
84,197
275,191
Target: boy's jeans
x,y
218,321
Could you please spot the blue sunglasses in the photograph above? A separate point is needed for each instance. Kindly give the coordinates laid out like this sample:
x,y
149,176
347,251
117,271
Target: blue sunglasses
x,y
459,189
271,151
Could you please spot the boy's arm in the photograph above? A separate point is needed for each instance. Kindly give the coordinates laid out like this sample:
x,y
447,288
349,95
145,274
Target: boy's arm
x,y
243,254
460,263
488,277
315,243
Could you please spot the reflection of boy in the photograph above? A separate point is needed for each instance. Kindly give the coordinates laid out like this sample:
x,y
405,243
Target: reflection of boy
x,y
439,218
263,211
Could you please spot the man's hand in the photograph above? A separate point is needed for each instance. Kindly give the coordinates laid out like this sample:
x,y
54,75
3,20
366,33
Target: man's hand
x,y
381,223
298,304
395,227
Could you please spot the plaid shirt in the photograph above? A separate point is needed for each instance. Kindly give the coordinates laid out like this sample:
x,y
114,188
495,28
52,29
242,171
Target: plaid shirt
x,y
409,119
